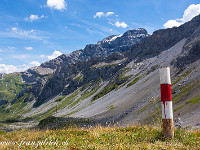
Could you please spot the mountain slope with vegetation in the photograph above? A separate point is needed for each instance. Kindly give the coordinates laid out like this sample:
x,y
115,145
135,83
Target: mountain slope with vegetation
x,y
113,81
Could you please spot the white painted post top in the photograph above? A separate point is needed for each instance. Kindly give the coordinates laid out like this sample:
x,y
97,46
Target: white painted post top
x,y
165,75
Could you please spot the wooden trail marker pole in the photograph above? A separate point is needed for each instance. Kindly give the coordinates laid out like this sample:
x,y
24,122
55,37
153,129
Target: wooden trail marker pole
x,y
166,102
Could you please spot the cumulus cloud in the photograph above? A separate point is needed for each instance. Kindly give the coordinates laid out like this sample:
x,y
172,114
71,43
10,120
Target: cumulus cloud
x,y
120,24
57,4
99,14
11,68
171,23
18,68
102,14
34,63
34,18
192,11
28,48
7,68
54,55
110,13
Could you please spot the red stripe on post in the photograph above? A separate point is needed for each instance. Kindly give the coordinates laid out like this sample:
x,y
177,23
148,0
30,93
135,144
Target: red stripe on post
x,y
166,92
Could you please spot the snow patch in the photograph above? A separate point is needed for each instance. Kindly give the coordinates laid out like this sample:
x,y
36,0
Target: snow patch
x,y
114,38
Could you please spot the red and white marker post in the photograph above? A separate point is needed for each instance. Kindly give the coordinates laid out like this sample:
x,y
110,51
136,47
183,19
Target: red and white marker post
x,y
166,102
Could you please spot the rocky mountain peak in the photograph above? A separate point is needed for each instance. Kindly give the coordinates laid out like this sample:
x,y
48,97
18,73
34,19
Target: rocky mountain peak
x,y
109,39
111,44
135,32
131,34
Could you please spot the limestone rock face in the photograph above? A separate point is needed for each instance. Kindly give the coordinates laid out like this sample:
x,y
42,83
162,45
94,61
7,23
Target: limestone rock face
x,y
66,67
104,48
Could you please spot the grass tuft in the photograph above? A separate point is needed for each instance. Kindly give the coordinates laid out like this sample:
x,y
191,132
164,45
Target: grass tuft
x,y
130,137
194,100
133,82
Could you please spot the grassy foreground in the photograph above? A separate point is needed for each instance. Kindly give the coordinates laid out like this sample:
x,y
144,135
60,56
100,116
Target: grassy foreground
x,y
131,137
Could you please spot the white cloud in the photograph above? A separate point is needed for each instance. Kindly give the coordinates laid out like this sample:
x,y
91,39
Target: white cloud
x,y
110,13
7,68
14,29
28,48
57,4
120,24
43,16
192,11
54,55
11,68
99,14
18,68
171,23
102,14
34,18
34,63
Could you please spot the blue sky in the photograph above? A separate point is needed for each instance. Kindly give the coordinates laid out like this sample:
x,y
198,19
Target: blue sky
x,y
34,31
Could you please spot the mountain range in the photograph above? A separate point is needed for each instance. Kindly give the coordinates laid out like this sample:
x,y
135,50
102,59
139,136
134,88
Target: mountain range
x,y
114,81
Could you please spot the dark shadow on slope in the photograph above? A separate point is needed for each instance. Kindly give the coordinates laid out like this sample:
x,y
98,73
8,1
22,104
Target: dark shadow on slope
x,y
192,56
14,120
64,122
